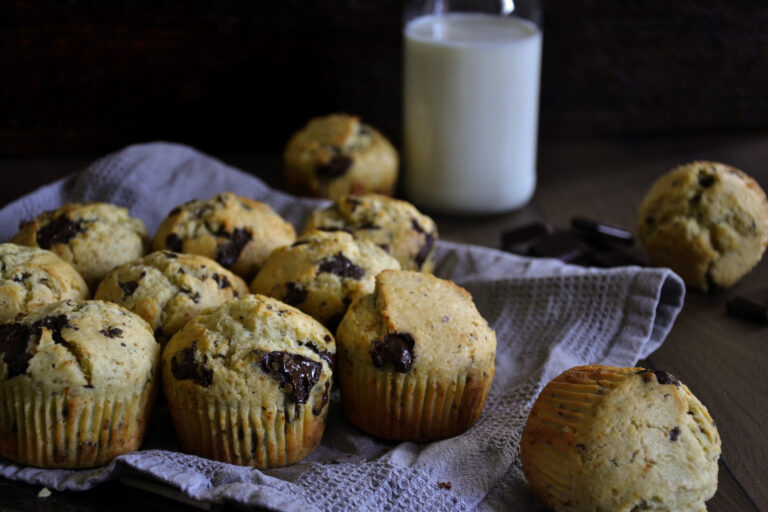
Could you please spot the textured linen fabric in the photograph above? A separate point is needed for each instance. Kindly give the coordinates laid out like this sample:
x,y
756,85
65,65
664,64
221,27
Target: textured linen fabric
x,y
547,316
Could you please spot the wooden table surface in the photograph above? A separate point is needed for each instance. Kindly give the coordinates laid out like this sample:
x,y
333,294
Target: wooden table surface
x,y
722,359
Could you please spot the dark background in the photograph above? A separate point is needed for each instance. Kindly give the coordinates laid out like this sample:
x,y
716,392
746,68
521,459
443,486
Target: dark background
x,y
238,77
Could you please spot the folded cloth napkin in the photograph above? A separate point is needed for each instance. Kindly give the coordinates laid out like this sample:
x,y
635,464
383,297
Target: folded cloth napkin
x,y
547,316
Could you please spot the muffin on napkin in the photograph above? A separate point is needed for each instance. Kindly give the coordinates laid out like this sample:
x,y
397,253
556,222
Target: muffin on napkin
x,y
416,359
336,155
235,231
248,383
93,237
32,277
77,381
620,439
167,289
322,273
394,225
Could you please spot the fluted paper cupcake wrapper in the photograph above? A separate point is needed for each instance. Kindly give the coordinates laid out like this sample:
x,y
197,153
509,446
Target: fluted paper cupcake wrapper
x,y
410,406
71,430
247,433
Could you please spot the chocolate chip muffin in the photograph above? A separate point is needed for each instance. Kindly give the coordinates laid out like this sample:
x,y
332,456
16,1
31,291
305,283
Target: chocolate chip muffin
x,y
415,360
322,273
336,155
77,381
620,439
395,226
248,383
706,221
93,237
237,232
31,277
167,289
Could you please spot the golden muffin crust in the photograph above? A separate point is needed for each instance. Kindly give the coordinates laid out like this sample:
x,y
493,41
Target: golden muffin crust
x,y
93,237
394,225
706,221
322,273
336,155
167,289
31,277
235,231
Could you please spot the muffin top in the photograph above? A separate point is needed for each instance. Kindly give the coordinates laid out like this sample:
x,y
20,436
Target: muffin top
x,y
417,322
93,237
322,273
394,225
237,232
627,437
335,155
167,289
253,349
707,221
76,346
31,277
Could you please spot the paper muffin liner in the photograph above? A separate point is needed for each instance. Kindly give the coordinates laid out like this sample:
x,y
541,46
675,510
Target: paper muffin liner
x,y
247,433
410,406
563,409
71,430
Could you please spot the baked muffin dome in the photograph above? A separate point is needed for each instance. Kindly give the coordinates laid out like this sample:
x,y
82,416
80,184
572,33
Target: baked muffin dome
x,y
31,277
706,221
415,358
77,381
167,289
235,231
249,382
336,155
394,225
620,439
93,237
322,273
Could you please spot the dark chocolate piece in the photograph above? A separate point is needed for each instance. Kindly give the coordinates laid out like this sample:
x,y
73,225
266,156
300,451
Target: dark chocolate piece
x,y
340,265
561,245
592,230
22,277
663,377
299,242
748,308
612,258
296,374
228,252
184,365
54,324
329,357
518,239
706,180
396,349
14,341
175,211
59,231
293,294
128,287
337,166
112,332
331,229
429,242
222,281
323,399
173,242
674,434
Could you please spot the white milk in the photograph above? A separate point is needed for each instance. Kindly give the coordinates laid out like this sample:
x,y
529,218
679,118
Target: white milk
x,y
471,102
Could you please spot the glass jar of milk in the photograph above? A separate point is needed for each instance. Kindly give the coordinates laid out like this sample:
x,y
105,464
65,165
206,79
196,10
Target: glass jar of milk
x,y
471,102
